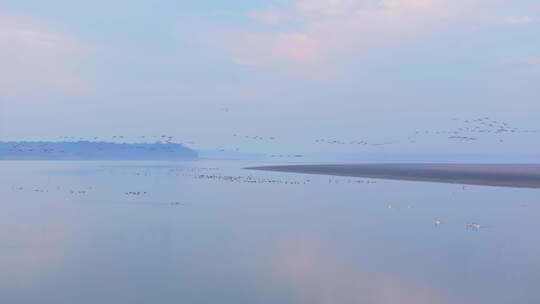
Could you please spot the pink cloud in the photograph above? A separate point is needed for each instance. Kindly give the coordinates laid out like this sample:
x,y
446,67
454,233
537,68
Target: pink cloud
x,y
265,49
300,48
533,63
518,20
269,17
323,35
326,30
36,58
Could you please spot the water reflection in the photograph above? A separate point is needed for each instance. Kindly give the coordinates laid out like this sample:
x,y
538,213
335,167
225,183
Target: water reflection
x,y
210,232
323,275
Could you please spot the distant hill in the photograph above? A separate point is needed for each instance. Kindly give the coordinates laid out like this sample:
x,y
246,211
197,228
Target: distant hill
x,y
87,150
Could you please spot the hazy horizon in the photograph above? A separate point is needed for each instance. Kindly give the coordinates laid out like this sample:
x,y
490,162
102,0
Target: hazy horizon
x,y
269,151
297,70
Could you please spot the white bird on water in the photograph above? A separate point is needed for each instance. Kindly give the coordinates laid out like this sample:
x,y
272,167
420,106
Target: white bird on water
x,y
474,226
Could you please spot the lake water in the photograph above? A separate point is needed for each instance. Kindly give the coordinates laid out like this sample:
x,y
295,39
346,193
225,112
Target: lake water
x,y
211,232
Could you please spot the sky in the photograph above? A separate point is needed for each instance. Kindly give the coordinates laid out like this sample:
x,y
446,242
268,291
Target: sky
x,y
295,70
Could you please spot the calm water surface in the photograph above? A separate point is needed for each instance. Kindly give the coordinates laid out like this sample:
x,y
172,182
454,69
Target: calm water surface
x,y
210,232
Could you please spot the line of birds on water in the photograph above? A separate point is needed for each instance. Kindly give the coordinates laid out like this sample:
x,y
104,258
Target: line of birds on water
x,y
352,142
206,173
473,226
209,174
212,174
286,155
87,191
247,179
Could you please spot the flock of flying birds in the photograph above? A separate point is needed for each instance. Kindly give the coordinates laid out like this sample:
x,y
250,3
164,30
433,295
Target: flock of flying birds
x,y
157,139
115,144
116,138
254,137
472,129
469,130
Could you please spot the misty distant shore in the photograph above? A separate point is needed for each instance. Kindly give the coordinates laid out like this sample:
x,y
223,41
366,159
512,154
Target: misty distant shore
x,y
88,150
501,175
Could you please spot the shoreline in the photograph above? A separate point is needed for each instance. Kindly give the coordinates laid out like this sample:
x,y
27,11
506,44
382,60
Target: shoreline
x,y
498,175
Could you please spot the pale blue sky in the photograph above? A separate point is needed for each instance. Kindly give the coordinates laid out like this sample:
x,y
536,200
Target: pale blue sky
x,y
296,70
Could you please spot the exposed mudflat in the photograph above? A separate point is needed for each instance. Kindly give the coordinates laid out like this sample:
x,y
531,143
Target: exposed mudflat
x,y
502,175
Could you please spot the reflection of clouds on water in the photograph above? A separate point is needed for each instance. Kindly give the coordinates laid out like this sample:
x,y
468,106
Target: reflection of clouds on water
x,y
34,246
316,273
199,237
388,291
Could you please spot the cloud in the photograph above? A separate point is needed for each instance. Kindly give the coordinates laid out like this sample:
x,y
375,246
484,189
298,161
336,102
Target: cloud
x,y
36,58
530,63
533,63
324,35
518,20
253,50
269,17
315,32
